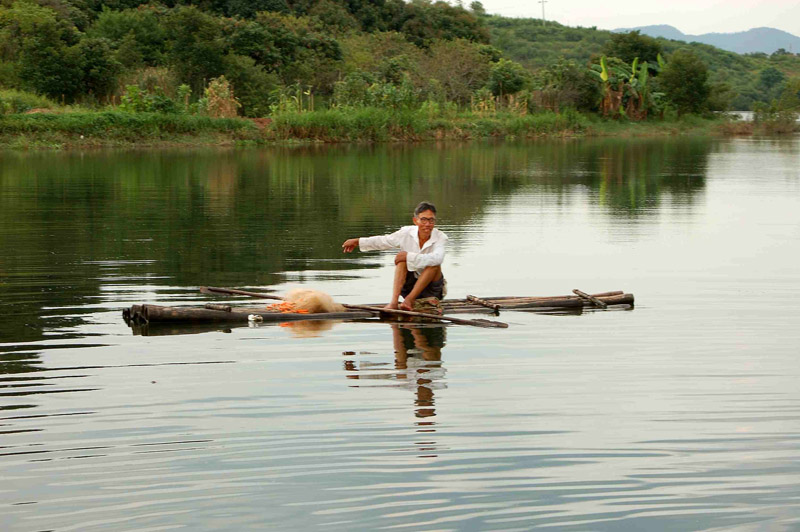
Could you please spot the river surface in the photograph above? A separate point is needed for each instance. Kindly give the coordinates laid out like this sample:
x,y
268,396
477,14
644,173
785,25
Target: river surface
x,y
680,414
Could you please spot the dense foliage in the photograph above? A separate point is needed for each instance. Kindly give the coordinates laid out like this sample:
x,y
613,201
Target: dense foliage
x,y
266,57
91,51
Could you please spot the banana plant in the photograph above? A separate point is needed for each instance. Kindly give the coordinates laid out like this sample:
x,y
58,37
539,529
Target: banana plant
x,y
604,70
636,108
627,88
613,80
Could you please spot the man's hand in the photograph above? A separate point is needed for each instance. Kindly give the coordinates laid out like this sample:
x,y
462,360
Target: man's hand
x,y
349,245
400,257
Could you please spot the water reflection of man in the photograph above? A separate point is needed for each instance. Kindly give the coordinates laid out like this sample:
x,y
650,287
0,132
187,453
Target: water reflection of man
x,y
418,265
418,361
420,349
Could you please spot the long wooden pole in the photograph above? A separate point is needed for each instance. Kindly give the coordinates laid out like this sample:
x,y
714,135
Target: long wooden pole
x,y
396,312
213,290
459,321
494,306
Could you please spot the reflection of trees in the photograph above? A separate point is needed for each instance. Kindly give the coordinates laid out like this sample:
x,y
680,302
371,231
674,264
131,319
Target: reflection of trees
x,y
75,224
628,177
417,366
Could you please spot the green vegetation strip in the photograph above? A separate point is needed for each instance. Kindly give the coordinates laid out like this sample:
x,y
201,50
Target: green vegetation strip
x,y
114,123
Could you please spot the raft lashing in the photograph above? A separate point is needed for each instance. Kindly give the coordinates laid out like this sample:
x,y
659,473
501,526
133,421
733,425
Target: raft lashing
x,y
210,313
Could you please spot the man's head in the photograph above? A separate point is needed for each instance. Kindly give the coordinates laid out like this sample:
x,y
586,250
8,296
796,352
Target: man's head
x,y
425,217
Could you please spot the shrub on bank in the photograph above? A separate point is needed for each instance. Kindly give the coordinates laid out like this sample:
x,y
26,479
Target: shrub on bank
x,y
14,101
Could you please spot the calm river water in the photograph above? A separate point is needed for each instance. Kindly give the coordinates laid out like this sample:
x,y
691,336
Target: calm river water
x,y
681,414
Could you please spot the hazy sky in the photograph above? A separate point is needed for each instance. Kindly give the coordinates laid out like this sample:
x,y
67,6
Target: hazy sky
x,y
690,16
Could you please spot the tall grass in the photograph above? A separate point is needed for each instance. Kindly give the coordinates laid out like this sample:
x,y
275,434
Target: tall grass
x,y
361,124
376,124
547,123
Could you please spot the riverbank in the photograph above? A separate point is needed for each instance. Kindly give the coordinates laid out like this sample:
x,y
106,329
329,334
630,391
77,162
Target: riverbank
x,y
87,129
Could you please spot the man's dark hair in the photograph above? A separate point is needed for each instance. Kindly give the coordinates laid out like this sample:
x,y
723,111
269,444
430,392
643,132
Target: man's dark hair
x,y
424,206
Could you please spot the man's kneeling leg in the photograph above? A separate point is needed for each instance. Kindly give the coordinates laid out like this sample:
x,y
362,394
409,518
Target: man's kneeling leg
x,y
430,275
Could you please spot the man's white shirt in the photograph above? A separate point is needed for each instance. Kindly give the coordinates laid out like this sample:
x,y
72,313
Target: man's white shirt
x,y
407,239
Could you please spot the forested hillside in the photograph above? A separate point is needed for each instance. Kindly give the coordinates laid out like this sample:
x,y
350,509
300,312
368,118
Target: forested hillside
x,y
752,78
265,57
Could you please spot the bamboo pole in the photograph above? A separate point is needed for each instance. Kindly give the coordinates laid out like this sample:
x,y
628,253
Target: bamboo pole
x,y
233,291
567,302
494,306
592,299
506,298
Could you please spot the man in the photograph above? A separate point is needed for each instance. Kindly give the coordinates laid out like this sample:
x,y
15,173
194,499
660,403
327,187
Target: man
x,y
418,265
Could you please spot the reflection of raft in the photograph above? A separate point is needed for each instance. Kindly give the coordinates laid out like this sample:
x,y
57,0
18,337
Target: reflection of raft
x,y
141,314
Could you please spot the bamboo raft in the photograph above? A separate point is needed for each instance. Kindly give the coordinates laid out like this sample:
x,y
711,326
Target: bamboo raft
x,y
216,313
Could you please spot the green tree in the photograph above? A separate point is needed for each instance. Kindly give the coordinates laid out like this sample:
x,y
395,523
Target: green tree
x,y
424,22
721,96
307,54
684,80
334,17
197,51
790,97
297,46
40,47
128,53
566,84
140,32
458,68
477,8
507,77
629,46
352,91
99,67
251,84
48,67
271,46
367,52
770,83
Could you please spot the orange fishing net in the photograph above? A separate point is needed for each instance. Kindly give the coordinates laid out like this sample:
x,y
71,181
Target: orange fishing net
x,y
303,301
287,307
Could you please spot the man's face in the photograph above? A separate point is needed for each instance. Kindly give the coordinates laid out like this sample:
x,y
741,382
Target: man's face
x,y
425,221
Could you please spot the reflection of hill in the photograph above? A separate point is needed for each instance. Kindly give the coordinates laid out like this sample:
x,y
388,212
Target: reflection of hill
x,y
76,226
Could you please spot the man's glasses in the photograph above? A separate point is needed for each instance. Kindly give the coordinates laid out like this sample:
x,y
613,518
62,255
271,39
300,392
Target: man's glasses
x,y
427,220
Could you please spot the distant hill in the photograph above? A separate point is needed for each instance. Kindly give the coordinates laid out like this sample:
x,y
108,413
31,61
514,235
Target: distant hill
x,y
766,40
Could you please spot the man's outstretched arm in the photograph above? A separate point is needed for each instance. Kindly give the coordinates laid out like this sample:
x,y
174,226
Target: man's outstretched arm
x,y
373,243
349,245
